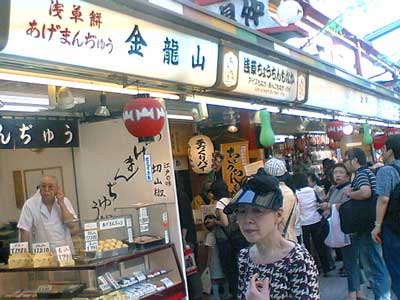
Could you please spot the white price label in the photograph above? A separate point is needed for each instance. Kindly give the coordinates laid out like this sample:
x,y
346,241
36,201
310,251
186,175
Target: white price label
x,y
113,223
91,246
144,227
112,281
166,236
167,282
128,222
63,253
130,235
91,235
44,288
144,220
103,284
41,248
165,217
90,226
140,276
142,212
17,248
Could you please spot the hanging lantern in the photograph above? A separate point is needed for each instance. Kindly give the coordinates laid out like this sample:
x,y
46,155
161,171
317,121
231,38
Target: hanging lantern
x,y
334,130
200,152
367,137
290,11
267,136
379,141
391,131
144,117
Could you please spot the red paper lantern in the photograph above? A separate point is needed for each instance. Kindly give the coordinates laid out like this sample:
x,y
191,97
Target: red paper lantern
x,y
144,117
379,141
334,130
391,131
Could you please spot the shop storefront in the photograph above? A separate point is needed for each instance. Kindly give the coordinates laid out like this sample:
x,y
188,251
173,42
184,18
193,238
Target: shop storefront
x,y
123,188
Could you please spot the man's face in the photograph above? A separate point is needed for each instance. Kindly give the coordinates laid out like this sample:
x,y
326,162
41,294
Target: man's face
x,y
348,162
48,189
387,155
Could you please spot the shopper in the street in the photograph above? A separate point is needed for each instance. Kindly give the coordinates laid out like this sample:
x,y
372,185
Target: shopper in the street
x,y
277,168
314,225
337,197
363,188
387,224
273,267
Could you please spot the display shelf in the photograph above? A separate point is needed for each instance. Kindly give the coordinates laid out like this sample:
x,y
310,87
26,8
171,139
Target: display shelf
x,y
96,264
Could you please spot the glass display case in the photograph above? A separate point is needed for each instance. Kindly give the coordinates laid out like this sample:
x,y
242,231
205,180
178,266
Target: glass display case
x,y
153,273
150,223
98,239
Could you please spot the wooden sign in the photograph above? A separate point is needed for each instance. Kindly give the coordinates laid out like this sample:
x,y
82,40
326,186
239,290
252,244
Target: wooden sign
x,y
236,156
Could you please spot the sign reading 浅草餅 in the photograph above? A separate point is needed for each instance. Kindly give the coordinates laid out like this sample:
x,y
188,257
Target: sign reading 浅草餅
x,y
82,34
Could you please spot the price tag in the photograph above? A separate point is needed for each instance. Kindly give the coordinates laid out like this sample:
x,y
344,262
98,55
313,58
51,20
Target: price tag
x,y
44,288
140,276
167,282
130,235
91,246
142,212
166,236
90,226
63,253
144,227
103,284
17,248
112,281
40,248
128,222
113,223
91,235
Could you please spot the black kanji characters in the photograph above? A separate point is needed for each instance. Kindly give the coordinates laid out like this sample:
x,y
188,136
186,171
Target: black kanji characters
x,y
198,62
171,55
252,10
137,42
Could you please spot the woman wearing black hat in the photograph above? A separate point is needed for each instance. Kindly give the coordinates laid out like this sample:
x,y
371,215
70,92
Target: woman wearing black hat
x,y
273,267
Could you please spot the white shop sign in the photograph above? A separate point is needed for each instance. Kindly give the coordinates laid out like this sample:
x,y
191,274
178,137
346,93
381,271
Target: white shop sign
x,y
329,95
79,33
267,79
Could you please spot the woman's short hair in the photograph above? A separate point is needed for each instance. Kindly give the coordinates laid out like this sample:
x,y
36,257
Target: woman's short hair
x,y
300,180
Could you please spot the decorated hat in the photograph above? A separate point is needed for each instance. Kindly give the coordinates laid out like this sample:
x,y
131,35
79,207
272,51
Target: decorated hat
x,y
275,167
260,190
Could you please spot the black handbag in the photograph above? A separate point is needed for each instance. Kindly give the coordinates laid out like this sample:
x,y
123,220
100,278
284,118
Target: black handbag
x,y
358,216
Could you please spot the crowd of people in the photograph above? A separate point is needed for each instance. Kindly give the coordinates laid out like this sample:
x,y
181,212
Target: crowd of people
x,y
268,241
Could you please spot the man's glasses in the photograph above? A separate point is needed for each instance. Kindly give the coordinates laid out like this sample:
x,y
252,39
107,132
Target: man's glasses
x,y
49,187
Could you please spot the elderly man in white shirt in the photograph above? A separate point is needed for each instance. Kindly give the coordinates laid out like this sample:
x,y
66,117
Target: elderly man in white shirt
x,y
47,216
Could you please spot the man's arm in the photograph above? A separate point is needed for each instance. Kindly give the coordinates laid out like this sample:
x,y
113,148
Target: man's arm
x,y
24,235
67,216
363,193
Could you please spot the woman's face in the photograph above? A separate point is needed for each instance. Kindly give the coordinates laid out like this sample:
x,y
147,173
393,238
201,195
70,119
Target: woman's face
x,y
340,176
257,223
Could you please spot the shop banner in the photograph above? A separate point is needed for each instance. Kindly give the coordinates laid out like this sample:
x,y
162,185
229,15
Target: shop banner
x,y
82,34
236,156
247,74
348,100
35,133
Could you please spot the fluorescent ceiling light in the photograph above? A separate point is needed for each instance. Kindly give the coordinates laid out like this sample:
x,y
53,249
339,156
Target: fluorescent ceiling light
x,y
304,113
22,108
180,117
43,100
394,125
351,120
231,103
378,123
93,86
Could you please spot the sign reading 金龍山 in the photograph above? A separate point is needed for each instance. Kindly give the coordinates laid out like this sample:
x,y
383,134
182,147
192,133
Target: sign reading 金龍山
x,y
78,33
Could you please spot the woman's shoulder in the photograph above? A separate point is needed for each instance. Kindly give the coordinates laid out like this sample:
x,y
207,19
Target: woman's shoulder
x,y
301,258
